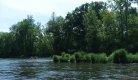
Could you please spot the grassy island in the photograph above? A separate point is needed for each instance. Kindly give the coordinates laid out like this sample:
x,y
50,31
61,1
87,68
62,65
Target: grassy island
x,y
118,56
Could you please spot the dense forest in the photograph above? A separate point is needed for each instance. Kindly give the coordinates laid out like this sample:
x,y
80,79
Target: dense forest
x,y
94,27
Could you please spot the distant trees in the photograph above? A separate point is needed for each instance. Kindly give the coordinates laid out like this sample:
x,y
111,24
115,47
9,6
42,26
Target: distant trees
x,y
92,27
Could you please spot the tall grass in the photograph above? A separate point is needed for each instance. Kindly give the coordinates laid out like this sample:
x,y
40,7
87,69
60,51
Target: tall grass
x,y
78,56
110,58
72,58
119,56
93,58
64,57
82,53
56,58
102,58
135,58
67,55
84,58
63,54
88,57
130,58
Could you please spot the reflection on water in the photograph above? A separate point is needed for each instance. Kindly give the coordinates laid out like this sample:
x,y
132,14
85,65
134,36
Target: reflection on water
x,y
46,69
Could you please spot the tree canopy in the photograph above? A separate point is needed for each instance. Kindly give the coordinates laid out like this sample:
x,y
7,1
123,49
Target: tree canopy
x,y
94,27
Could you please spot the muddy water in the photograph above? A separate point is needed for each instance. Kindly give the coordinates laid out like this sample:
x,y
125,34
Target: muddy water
x,y
46,69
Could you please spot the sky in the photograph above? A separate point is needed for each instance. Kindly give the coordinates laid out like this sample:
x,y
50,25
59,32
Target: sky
x,y
14,11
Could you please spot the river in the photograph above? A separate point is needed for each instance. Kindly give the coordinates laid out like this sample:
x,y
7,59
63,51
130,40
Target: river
x,y
46,69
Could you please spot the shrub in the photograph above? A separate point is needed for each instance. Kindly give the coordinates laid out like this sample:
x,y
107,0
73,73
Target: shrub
x,y
135,58
63,54
68,55
110,58
102,58
93,58
82,53
130,58
72,58
55,58
84,58
119,56
64,59
88,57
78,56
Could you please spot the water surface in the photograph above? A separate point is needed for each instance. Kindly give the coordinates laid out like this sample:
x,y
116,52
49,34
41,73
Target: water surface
x,y
46,69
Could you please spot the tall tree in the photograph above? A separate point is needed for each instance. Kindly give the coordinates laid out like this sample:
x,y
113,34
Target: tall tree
x,y
25,33
92,28
55,29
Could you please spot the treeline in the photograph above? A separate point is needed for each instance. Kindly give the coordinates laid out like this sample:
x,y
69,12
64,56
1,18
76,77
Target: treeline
x,y
94,27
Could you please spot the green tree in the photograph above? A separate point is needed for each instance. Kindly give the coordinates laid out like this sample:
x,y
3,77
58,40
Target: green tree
x,y
25,36
108,32
6,45
55,29
92,30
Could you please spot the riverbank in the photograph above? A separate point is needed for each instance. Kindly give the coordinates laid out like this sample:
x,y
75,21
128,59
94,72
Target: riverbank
x,y
118,56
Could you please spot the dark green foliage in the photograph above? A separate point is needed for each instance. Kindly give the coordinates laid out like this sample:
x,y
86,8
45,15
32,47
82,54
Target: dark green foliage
x,y
78,56
93,58
68,56
21,56
56,58
84,58
102,58
120,56
63,54
82,53
130,58
64,59
72,58
110,58
135,58
88,57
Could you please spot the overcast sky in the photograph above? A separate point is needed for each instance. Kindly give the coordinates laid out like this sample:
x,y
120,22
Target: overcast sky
x,y
13,11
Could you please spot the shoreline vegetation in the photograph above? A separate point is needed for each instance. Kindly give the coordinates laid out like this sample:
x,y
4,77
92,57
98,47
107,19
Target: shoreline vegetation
x,y
118,56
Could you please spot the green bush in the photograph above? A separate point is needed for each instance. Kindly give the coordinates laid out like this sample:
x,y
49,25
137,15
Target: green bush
x,y
119,56
82,53
93,58
135,58
55,58
110,58
68,55
88,57
63,59
130,58
78,56
72,58
63,54
102,58
84,58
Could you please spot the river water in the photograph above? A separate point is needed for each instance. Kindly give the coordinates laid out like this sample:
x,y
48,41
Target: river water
x,y
46,69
